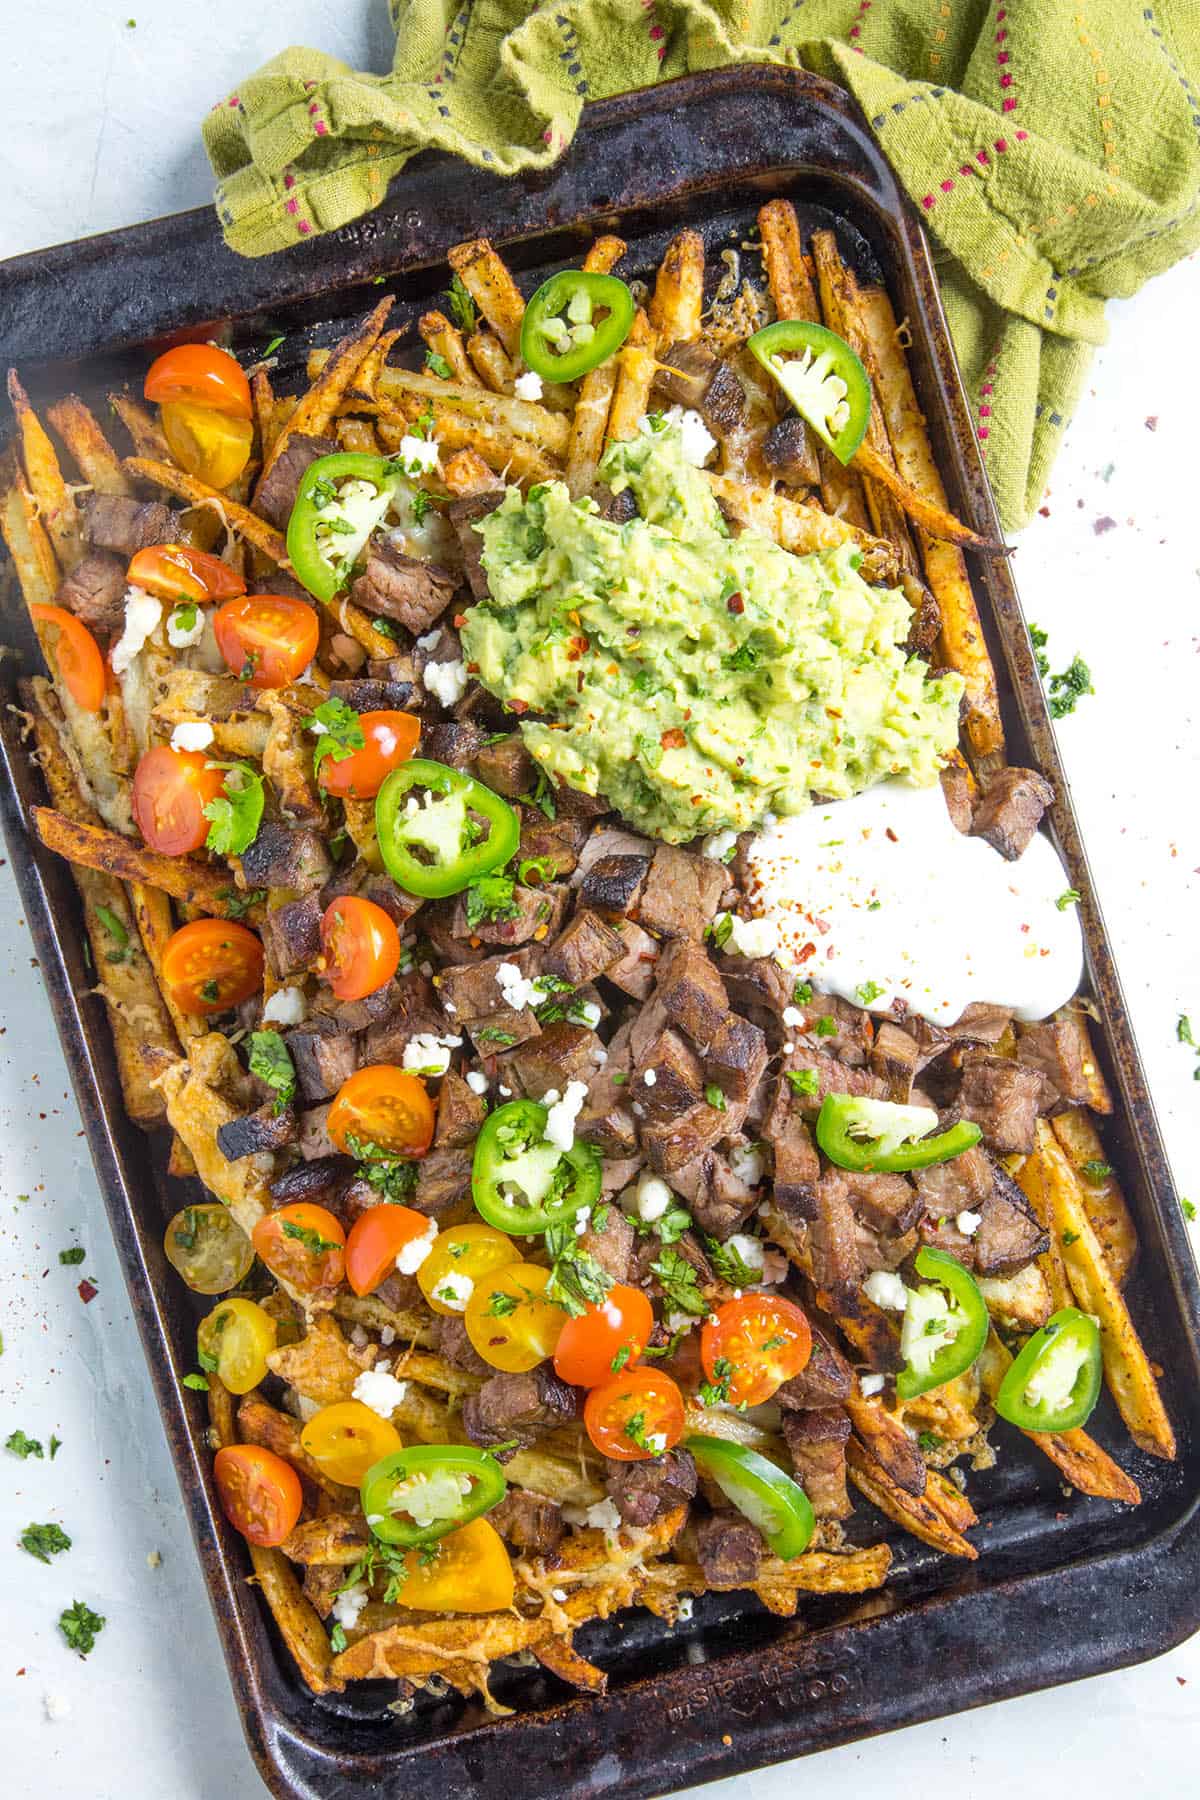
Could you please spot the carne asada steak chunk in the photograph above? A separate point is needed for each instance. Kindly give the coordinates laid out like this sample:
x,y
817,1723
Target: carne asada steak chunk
x,y
286,856
816,1442
888,1203
1060,1049
322,1180
825,1380
960,1185
378,693
526,912
555,841
610,1243
795,1162
643,1491
265,1129
443,1190
736,1059
691,990
682,892
587,947
532,1523
1010,809
730,1550
454,742
119,522
605,1121
291,936
837,1269
717,1198
456,1348
95,592
757,987
667,1076
832,1077
561,1053
1010,1233
518,1406
894,1059
462,514
671,1142
1003,1098
788,451
614,884
956,783
460,1113
403,588
315,1143
277,491
634,973
507,767
323,1059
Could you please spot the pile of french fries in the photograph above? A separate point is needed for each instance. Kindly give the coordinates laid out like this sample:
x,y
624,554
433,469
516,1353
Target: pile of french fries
x,y
890,502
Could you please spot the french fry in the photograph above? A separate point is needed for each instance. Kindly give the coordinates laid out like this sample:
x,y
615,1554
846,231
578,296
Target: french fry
x,y
408,1325
299,1626
1033,1180
316,409
635,376
94,456
357,435
605,253
678,299
1106,1206
287,763
233,514
366,380
208,889
1085,1465
152,910
196,1111
800,527
1019,1302
787,273
932,518
260,1423
962,639
887,1443
491,362
950,1502
143,428
917,1513
467,474
262,395
519,418
510,456
443,339
563,1660
588,426
486,278
55,503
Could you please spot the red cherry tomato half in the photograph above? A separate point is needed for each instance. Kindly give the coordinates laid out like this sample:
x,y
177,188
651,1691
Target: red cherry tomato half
x,y
759,1341
260,1493
391,738
605,1340
211,964
175,572
171,788
77,654
635,1417
303,1245
267,639
360,947
202,374
376,1239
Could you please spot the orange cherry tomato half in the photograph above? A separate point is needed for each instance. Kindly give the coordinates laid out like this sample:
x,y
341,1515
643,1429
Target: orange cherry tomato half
x,y
382,1105
260,1493
760,1341
391,739
635,1417
376,1240
211,964
77,654
617,1327
303,1245
175,572
267,639
471,1572
360,947
207,444
346,1439
202,374
171,789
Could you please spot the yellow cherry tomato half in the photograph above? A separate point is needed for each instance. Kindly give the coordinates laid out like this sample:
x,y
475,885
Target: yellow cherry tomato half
x,y
461,1257
238,1336
471,1572
509,1323
208,1247
210,445
347,1439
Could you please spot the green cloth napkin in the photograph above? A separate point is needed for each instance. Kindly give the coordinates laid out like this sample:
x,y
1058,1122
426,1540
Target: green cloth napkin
x,y
1052,148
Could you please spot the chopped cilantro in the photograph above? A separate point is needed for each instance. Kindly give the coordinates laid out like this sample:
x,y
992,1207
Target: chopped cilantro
x,y
437,365
802,993
1097,1171
868,991
826,1026
273,346
271,1061
1070,1237
577,1280
462,307
340,728
718,1388
312,1240
542,796
721,930
1189,1209
1038,638
211,992
199,1382
238,905
1069,687
500,1306
802,1081
391,1175
491,1034
491,897
1183,1030
72,1256
621,1358
729,1264
55,1447
337,1639
44,1541
121,952
1070,897
234,816
23,1446
80,1626
679,1282
929,1440
715,1096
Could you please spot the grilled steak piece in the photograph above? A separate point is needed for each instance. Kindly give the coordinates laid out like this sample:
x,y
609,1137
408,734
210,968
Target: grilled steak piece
x,y
736,1059
387,1039
291,935
832,1077
403,588
960,1185
612,840
587,947
788,452
634,973
825,1380
643,1491
462,514
286,856
692,376
854,1030
1003,1097
605,1120
95,592
682,892
507,767
956,789
730,1550
614,884
314,1140
670,1143
324,1180
757,987
378,694
885,1202
277,491
531,1523
620,508
529,910
837,1269
816,1442
472,996
718,1199
691,990
1010,809
357,1015
894,1060
557,841
926,620
981,1023
323,1059
797,1167
456,1348
724,405
667,1077
460,1113
562,1053
443,1190
265,1129
610,1243
1010,1233
1059,1048
454,742
119,522
518,1406
942,1233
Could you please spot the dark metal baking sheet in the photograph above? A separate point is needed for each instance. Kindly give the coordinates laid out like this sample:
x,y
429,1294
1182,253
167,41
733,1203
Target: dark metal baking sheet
x,y
1061,1589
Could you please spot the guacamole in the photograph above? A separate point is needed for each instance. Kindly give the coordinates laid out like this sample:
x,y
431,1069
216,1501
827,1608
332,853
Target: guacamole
x,y
695,680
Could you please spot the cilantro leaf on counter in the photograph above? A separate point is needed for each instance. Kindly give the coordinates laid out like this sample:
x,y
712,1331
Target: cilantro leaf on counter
x,y
44,1541
81,1626
23,1446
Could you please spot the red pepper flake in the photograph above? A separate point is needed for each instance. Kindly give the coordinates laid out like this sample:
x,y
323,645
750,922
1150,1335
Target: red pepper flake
x,y
1043,512
736,604
697,800
87,1292
518,706
804,954
472,668
460,620
890,834
673,739
576,647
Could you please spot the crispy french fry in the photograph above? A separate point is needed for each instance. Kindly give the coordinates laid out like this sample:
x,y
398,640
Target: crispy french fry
x,y
299,1626
467,474
196,1111
588,426
1106,1206
932,518
510,456
945,570
635,375
220,1414
181,1164
888,1444
604,255
678,299
950,1502
443,339
787,273
143,428
316,409
358,435
260,1423
55,503
209,890
366,380
1085,1465
263,396
1033,1178
287,763
94,456
917,1513
801,528
486,278
233,514
1019,1302
152,910
1126,1365
491,362
409,1326
519,418
563,1660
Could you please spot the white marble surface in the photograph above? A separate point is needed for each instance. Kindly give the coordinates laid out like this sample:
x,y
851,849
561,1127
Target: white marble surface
x,y
150,1713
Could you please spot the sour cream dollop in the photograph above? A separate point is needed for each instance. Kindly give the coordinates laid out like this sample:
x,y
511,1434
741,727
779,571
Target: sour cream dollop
x,y
880,898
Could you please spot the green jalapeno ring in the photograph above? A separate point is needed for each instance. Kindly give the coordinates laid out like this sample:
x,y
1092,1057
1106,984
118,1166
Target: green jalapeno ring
x,y
512,1147
966,1307
830,357
1068,1335
311,564
487,1489
762,1493
882,1123
562,311
443,828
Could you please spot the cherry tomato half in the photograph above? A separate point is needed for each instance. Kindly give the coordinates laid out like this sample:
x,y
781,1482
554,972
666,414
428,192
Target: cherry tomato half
x,y
376,1239
461,1257
208,444
267,639
618,1327
509,1323
303,1245
77,654
346,1439
471,1572
260,1493
208,1247
759,1342
211,964
636,1417
175,572
171,789
382,1105
237,1337
391,738
360,947
203,374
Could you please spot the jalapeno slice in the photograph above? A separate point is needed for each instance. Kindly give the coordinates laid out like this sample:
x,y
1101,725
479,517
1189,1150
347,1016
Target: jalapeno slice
x,y
573,322
416,1496
822,377
877,1134
1054,1383
945,1327
455,849
766,1496
340,501
524,1184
